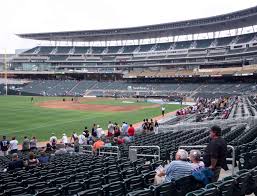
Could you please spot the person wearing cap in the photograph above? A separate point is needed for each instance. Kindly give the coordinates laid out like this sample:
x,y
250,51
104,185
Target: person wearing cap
x,y
64,139
195,158
86,132
53,141
215,153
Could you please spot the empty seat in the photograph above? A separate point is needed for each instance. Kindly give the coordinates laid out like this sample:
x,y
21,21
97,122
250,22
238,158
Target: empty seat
x,y
91,192
204,192
146,192
73,188
50,192
165,189
115,189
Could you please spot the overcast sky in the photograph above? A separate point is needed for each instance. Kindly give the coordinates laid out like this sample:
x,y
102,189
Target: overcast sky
x,y
33,16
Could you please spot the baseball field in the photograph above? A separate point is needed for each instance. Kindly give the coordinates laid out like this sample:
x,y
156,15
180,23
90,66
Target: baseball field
x,y
45,115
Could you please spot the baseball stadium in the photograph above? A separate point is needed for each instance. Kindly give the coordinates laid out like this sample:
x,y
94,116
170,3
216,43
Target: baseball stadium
x,y
157,110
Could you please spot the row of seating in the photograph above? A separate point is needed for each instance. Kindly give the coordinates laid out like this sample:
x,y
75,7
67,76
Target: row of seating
x,y
142,48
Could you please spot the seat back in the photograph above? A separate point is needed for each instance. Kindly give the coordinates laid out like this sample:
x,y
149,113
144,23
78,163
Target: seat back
x,y
185,184
165,189
115,189
146,192
91,192
49,192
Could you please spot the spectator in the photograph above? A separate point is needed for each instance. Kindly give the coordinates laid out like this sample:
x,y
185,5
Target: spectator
x,y
13,145
120,140
32,162
107,143
99,131
110,129
16,163
151,125
131,132
126,139
200,173
94,133
124,128
163,110
195,158
73,137
156,127
86,132
53,141
48,148
90,140
82,139
25,144
215,153
64,140
43,159
76,145
144,127
98,144
4,145
178,168
116,130
33,144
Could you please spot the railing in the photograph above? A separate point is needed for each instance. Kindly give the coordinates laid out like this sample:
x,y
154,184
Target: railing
x,y
233,159
83,148
89,149
117,153
147,155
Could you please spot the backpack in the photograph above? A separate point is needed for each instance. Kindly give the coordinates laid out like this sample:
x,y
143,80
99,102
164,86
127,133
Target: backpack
x,y
203,175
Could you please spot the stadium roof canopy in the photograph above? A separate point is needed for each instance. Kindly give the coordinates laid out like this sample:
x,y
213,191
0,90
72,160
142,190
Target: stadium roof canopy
x,y
234,20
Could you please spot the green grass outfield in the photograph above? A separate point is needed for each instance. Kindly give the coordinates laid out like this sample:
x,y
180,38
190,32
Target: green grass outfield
x,y
19,117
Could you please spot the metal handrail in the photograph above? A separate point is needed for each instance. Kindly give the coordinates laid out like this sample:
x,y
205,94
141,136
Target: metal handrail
x,y
110,153
148,155
90,146
228,146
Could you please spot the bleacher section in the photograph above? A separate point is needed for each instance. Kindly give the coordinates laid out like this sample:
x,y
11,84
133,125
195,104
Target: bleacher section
x,y
249,69
226,46
73,174
122,88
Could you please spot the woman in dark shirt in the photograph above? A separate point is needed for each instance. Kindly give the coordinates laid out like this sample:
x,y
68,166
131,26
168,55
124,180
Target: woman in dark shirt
x,y
32,162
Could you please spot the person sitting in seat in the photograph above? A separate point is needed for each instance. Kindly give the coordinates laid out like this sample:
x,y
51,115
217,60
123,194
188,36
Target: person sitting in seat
x,y
53,141
195,158
16,163
178,168
48,148
43,159
32,161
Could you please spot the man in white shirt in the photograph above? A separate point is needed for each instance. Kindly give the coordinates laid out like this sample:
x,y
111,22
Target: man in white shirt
x,y
110,129
13,145
82,139
124,128
64,140
99,131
